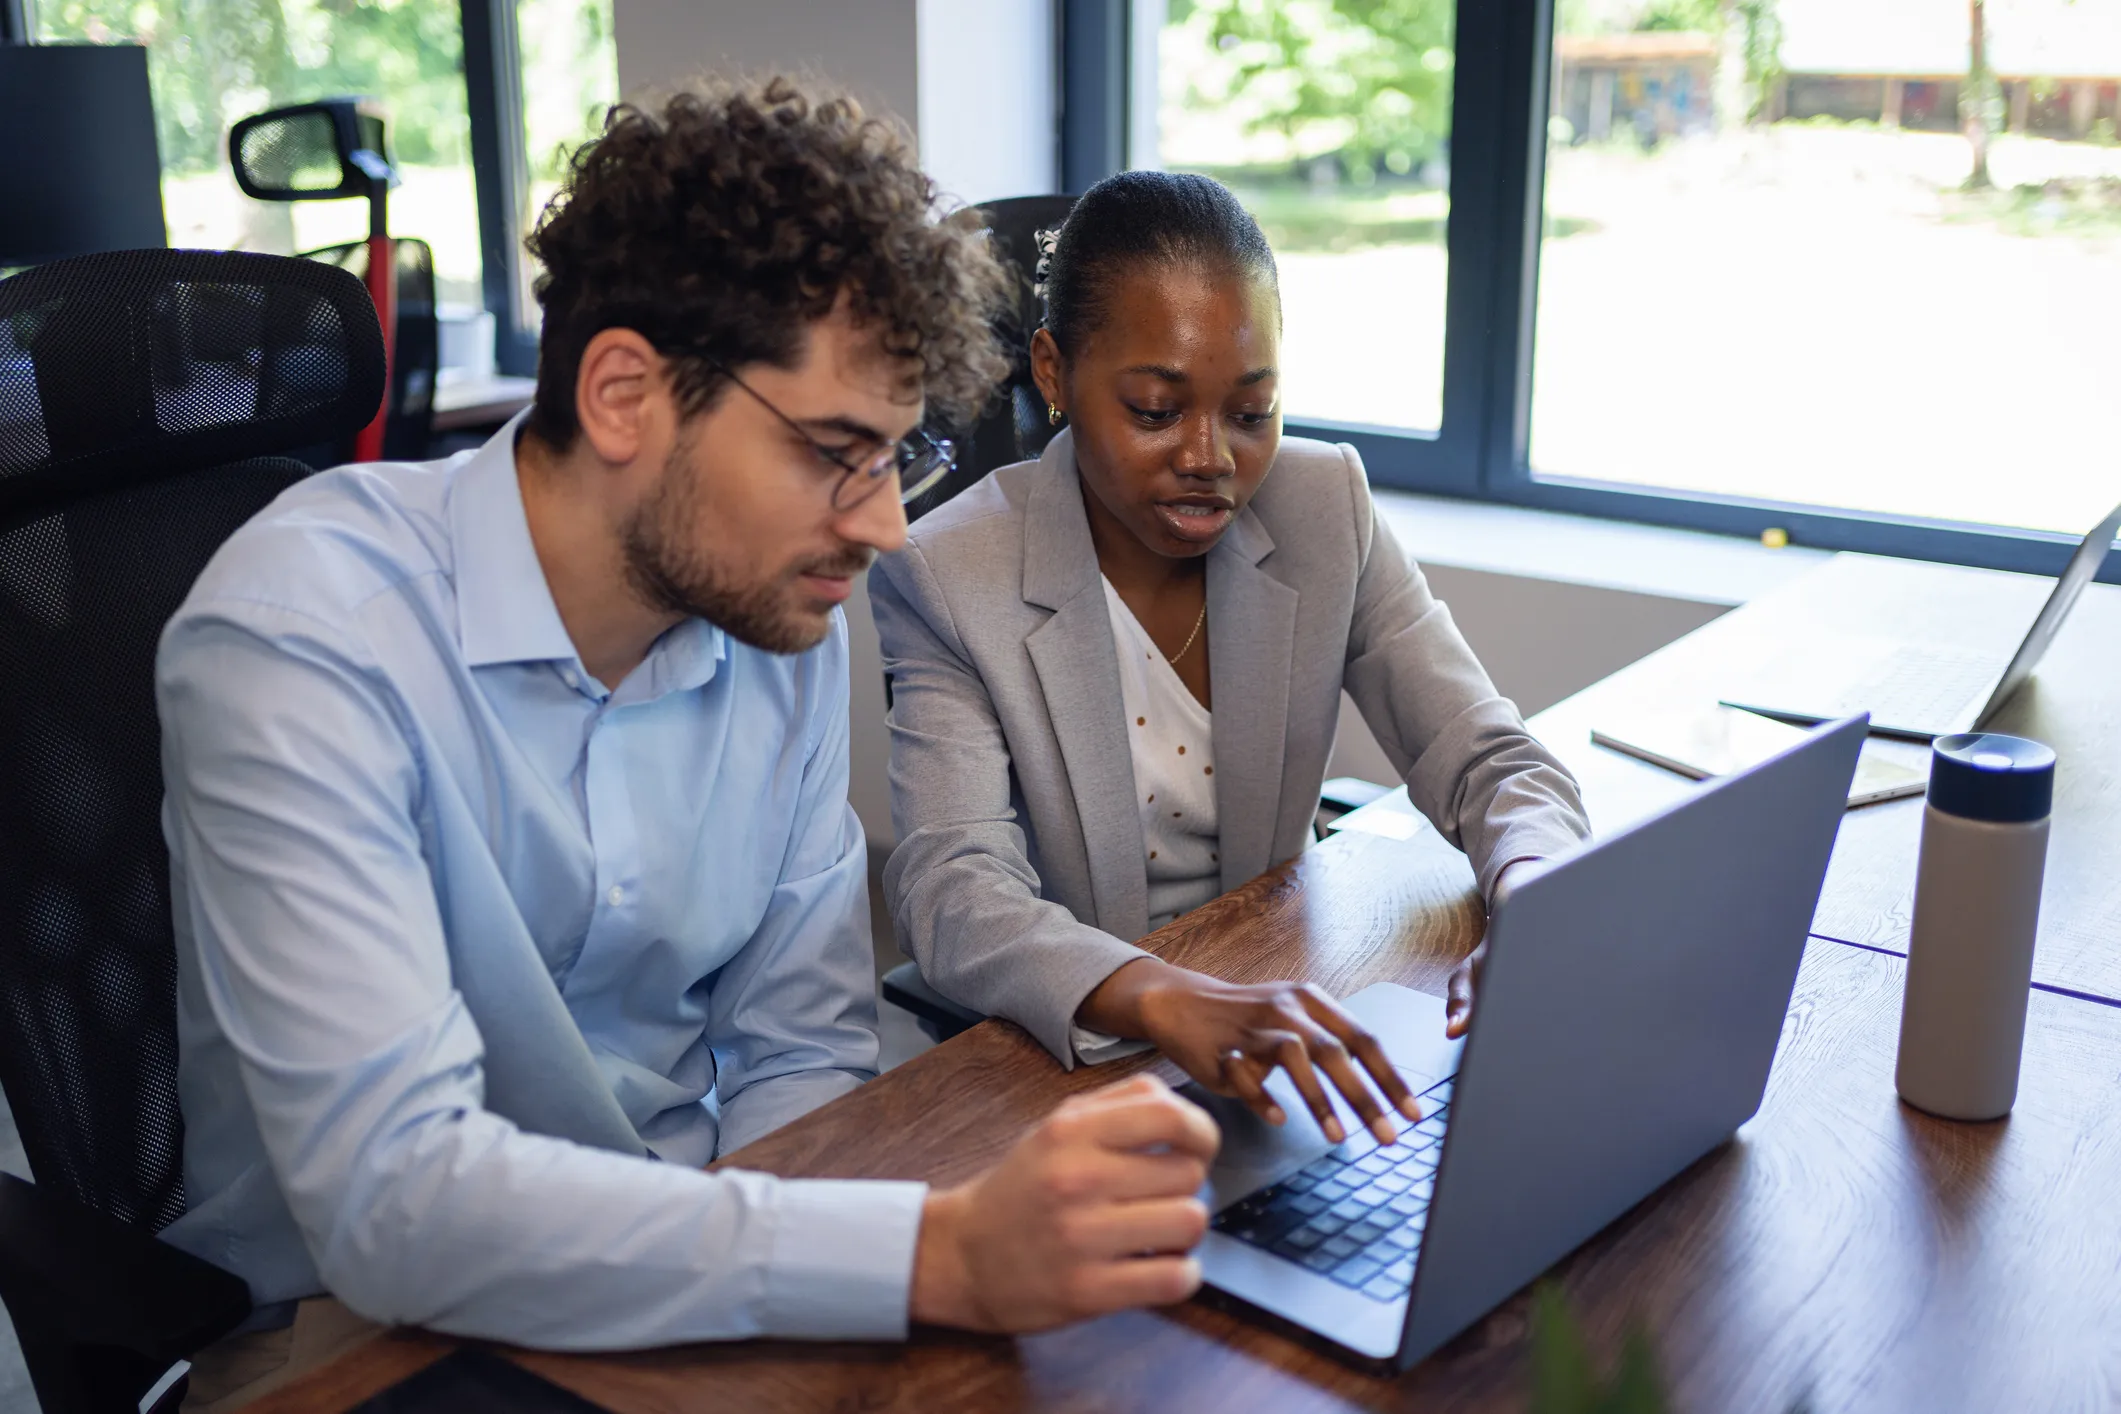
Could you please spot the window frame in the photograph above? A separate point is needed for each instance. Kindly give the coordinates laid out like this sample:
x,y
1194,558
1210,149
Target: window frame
x,y
500,168
1504,57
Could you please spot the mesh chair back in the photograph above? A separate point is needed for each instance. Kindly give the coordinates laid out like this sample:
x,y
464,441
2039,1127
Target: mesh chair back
x,y
1013,428
140,392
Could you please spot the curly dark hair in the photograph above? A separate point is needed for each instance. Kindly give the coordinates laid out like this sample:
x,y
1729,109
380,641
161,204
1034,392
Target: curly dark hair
x,y
720,227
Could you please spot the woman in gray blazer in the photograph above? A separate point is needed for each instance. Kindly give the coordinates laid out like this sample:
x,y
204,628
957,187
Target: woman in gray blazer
x,y
1116,671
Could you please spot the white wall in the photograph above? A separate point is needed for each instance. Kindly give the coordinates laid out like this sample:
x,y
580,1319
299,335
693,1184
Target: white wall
x,y
1539,639
989,102
976,80
867,46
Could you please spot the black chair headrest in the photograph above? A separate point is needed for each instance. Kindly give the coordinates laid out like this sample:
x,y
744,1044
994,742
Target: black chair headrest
x,y
139,364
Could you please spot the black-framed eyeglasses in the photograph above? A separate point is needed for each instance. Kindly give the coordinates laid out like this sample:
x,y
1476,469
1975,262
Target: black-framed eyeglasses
x,y
919,459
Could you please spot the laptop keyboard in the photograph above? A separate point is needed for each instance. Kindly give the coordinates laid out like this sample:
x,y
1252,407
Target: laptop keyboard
x,y
1356,1213
1920,688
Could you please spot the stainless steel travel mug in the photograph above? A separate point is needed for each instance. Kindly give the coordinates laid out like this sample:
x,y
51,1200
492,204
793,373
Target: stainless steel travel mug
x,y
1977,905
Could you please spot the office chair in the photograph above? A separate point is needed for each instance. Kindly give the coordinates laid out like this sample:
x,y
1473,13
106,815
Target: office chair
x,y
331,149
1013,426
415,350
142,397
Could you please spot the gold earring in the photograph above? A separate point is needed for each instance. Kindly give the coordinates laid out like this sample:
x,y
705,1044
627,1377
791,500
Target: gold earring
x,y
1053,415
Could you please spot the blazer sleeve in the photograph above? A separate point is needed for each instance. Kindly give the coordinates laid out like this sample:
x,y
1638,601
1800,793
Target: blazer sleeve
x,y
1469,762
963,895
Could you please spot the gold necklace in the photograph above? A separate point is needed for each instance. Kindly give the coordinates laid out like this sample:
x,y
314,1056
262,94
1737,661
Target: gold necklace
x,y
1173,659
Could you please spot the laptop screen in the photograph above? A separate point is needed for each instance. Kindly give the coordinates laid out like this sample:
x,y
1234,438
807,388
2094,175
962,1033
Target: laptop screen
x,y
2083,566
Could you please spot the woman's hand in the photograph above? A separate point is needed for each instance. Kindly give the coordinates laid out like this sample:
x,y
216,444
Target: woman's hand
x,y
1458,992
1465,978
1230,1038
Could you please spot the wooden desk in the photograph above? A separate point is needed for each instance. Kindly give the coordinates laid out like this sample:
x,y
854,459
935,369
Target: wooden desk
x,y
482,402
1845,1248
2073,704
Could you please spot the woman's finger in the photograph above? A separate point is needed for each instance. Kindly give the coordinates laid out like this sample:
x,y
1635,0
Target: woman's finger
x,y
1247,1081
1293,1056
1329,1055
1366,1049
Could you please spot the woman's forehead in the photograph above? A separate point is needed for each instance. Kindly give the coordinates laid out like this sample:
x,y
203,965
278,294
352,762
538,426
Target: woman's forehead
x,y
1159,314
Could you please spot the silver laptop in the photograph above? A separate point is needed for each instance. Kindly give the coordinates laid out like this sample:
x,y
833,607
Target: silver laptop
x,y
1927,690
1632,1001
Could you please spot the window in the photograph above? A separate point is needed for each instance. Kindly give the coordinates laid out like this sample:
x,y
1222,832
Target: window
x,y
1842,267
209,65
1332,122
569,80
1771,271
487,99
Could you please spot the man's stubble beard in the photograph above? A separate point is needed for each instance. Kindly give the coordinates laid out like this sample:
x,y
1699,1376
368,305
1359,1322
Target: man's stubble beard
x,y
669,573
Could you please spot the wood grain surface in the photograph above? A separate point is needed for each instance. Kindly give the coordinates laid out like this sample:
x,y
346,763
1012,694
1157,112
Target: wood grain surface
x,y
2073,704
362,1373
1843,1253
1365,910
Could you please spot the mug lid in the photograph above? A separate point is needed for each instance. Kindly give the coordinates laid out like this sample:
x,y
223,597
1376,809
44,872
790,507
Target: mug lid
x,y
1989,776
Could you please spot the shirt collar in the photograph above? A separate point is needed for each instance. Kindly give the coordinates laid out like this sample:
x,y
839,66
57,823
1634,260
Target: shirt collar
x,y
505,612
684,658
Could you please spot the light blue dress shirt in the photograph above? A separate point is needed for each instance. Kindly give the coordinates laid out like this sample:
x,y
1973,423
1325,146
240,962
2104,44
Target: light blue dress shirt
x,y
478,962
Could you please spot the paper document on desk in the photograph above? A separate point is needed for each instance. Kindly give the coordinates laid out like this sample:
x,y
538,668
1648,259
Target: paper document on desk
x,y
1392,815
1702,742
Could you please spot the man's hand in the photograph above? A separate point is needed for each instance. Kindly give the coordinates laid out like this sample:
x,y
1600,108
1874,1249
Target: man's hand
x,y
1093,1211
1230,1038
1465,978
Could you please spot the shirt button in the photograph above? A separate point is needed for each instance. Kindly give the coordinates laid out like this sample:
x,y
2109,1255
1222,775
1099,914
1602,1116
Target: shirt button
x,y
567,676
617,896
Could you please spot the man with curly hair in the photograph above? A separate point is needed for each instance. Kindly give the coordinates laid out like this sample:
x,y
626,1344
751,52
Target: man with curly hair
x,y
515,878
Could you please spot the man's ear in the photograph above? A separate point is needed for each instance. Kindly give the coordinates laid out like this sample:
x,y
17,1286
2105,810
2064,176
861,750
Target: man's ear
x,y
622,395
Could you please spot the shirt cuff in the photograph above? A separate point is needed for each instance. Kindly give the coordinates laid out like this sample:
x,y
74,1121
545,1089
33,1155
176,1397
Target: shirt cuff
x,y
1097,1047
842,1265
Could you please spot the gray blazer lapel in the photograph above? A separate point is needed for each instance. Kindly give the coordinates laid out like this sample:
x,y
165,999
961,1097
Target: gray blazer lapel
x,y
1078,672
1251,645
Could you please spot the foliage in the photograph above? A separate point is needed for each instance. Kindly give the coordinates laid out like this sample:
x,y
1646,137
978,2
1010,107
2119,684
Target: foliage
x,y
570,78
1366,80
2088,208
1700,16
1763,49
1564,1381
213,61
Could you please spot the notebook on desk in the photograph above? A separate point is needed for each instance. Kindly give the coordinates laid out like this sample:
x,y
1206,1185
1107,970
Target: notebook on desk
x,y
1921,690
1704,743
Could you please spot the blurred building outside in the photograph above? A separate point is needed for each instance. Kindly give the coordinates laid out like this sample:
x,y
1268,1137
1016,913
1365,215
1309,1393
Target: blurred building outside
x,y
1765,272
